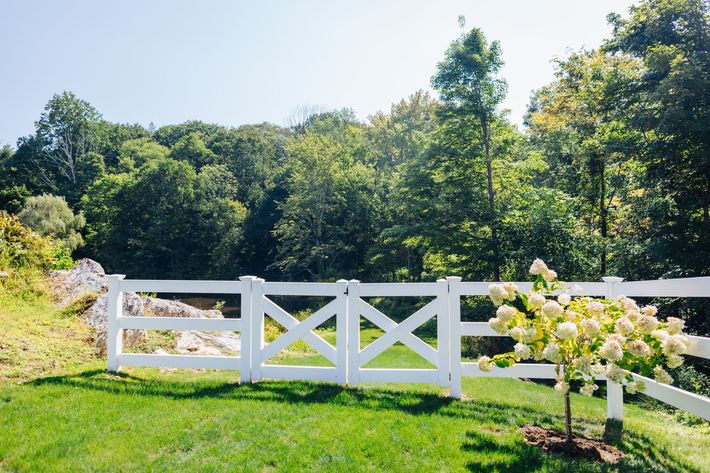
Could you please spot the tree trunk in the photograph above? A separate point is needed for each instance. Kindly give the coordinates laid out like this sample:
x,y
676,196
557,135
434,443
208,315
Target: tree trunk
x,y
568,418
485,128
603,214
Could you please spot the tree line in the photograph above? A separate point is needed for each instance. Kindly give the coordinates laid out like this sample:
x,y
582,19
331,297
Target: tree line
x,y
610,175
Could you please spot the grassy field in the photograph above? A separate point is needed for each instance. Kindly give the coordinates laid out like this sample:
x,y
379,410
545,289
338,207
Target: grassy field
x,y
73,416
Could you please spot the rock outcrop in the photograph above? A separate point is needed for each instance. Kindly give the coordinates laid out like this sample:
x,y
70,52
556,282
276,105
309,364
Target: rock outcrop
x,y
154,307
88,278
96,317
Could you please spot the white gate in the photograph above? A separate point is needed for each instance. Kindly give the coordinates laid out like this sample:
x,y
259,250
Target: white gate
x,y
402,332
263,306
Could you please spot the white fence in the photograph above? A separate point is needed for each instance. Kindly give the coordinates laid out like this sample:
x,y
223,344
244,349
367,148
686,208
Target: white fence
x,y
348,304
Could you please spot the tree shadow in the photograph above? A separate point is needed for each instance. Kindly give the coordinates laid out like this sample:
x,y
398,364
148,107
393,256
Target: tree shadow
x,y
508,457
642,454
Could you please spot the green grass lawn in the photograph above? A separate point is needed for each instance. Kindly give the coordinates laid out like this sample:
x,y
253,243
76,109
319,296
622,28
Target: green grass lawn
x,y
77,417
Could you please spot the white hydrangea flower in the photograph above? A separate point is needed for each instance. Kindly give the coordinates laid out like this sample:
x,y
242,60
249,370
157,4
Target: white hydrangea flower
x,y
650,310
510,288
484,364
567,330
498,325
497,293
506,313
660,335
595,308
611,350
522,351
647,323
529,334
588,389
674,360
673,345
633,315
615,373
675,325
552,310
516,333
624,326
632,387
538,266
549,275
617,337
639,348
590,326
662,375
628,304
564,299
583,364
552,353
562,386
536,300
571,316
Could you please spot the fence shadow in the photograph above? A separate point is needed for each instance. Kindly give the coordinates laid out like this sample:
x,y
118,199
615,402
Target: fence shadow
x,y
510,456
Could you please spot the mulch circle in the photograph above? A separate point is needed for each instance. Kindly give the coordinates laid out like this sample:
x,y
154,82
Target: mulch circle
x,y
555,442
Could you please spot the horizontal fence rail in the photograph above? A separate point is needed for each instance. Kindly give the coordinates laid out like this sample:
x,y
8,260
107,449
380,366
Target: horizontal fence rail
x,y
347,302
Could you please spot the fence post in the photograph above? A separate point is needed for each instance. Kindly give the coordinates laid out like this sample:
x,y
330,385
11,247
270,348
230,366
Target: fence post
x,y
257,327
443,335
341,332
114,309
246,333
454,301
353,311
614,391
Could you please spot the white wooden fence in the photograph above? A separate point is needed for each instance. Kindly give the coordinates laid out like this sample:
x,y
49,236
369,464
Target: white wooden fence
x,y
347,306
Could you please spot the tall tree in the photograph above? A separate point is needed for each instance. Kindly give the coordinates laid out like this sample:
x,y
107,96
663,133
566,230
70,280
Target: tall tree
x,y
67,130
329,216
670,107
580,122
469,85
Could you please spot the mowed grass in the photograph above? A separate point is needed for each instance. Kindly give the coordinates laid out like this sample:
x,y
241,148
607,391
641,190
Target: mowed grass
x,y
77,417
145,420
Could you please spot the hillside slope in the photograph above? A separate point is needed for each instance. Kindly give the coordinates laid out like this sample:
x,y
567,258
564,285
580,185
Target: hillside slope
x,y
37,337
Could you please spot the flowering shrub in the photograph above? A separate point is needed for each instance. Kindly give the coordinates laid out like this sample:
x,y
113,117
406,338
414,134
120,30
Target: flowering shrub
x,y
584,336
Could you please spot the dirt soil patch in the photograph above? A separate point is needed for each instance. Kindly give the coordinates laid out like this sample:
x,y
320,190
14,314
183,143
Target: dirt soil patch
x,y
555,442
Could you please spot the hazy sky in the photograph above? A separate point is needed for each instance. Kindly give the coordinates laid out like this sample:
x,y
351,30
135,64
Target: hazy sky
x,y
235,62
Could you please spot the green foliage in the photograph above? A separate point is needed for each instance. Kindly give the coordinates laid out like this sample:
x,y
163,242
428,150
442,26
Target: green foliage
x,y
135,153
165,220
328,217
21,247
50,216
192,148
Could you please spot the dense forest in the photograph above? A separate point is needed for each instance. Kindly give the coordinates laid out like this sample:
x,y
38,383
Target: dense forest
x,y
609,176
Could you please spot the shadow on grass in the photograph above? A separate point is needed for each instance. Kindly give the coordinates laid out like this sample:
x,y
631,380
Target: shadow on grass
x,y
509,455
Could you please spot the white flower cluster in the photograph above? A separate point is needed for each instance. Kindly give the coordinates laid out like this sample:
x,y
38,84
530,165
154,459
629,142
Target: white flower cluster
x,y
502,292
540,268
585,337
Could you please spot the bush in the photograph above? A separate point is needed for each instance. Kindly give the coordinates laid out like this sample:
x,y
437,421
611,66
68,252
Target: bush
x,y
21,247
50,216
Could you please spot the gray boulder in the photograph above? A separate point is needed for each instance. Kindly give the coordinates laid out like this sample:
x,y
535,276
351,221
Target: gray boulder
x,y
88,277
154,307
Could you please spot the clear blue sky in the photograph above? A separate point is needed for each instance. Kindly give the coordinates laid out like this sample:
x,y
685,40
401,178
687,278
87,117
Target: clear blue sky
x,y
234,62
